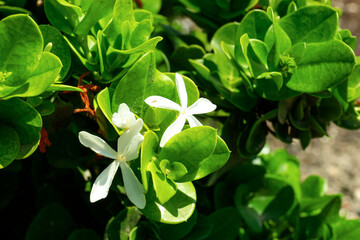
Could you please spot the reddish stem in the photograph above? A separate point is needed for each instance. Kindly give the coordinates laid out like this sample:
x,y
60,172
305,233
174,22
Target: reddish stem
x,y
44,140
139,3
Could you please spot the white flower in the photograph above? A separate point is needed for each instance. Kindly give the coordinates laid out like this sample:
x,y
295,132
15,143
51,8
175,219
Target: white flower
x,y
123,118
128,149
202,105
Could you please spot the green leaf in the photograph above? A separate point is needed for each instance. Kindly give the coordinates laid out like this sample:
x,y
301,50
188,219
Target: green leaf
x,y
52,222
149,147
255,24
139,83
346,229
201,230
311,24
176,231
165,188
41,78
277,41
9,145
62,15
25,120
60,87
322,66
217,159
280,205
123,12
45,108
153,6
314,186
191,147
59,47
248,214
119,227
141,33
354,84
177,210
174,171
97,10
83,234
20,38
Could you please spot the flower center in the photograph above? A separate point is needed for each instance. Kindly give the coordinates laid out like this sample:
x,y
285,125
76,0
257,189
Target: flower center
x,y
121,158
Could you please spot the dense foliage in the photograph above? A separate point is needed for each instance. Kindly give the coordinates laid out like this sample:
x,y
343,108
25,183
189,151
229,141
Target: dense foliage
x,y
88,87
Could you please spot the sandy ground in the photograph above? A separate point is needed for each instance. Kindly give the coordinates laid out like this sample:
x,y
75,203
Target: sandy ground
x,y
336,158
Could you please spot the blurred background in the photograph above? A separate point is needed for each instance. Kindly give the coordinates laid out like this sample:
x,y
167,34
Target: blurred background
x,y
336,158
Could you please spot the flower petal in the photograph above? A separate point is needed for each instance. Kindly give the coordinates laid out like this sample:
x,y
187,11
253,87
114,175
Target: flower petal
x,y
134,190
100,188
123,121
173,129
193,122
125,140
133,150
97,145
202,105
123,118
161,102
181,89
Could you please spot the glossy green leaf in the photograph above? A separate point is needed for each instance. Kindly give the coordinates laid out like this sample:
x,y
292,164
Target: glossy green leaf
x,y
59,48
20,38
178,209
52,222
165,188
120,226
310,24
123,12
41,78
139,83
97,10
322,66
149,147
314,186
25,120
346,229
279,206
217,159
174,171
153,6
45,108
255,24
191,147
177,231
63,15
9,145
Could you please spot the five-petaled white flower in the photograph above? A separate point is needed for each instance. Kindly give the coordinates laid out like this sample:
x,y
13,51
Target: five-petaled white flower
x,y
202,105
123,118
128,149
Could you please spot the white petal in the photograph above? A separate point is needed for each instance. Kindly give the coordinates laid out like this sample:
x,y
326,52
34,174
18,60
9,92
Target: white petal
x,y
161,102
202,105
124,120
125,140
123,108
173,129
133,151
100,188
96,144
134,190
193,122
181,89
